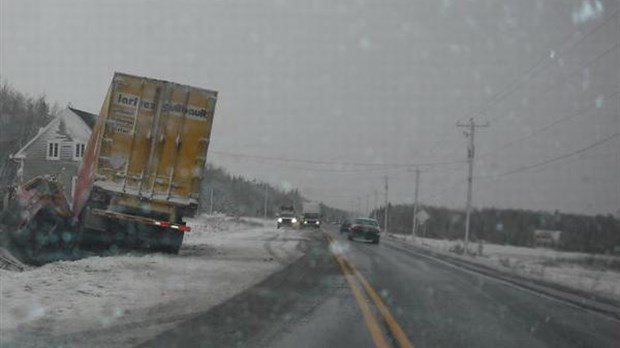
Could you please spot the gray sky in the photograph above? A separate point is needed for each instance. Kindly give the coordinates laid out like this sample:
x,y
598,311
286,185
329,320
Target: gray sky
x,y
379,82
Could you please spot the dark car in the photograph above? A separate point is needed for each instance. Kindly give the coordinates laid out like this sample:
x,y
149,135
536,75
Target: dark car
x,y
365,228
287,219
345,226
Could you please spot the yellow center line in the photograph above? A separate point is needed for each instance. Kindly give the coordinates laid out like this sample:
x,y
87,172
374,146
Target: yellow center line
x,y
371,321
396,329
393,325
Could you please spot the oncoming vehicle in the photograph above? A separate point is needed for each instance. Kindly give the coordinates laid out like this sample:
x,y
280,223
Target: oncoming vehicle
x,y
365,228
286,219
311,215
286,216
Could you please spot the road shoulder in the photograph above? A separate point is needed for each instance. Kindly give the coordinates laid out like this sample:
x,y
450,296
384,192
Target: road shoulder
x,y
574,297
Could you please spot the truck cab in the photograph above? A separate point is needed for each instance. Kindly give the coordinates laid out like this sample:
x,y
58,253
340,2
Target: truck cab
x,y
311,215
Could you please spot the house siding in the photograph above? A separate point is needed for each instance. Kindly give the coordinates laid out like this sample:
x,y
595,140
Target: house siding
x,y
64,168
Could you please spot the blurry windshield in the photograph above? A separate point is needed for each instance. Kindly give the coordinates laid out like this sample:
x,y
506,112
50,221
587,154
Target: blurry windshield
x,y
309,173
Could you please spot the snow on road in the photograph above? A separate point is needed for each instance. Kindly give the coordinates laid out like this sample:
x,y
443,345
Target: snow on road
x,y
148,292
596,274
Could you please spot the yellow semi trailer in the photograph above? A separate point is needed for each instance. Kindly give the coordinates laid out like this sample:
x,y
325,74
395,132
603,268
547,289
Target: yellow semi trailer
x,y
144,163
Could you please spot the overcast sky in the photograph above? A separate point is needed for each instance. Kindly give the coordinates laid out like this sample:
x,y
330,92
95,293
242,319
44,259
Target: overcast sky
x,y
371,85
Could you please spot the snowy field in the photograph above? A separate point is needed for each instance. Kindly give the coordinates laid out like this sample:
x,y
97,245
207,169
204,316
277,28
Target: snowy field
x,y
596,274
123,300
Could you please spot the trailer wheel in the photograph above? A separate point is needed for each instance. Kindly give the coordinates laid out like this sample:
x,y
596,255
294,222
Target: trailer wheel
x,y
87,238
171,241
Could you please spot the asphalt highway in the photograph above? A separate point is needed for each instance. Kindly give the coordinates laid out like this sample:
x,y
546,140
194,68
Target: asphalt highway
x,y
356,294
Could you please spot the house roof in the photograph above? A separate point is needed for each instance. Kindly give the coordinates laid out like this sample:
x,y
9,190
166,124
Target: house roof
x,y
85,129
87,117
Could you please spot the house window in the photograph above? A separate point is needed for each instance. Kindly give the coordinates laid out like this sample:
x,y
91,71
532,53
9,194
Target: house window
x,y
53,151
78,151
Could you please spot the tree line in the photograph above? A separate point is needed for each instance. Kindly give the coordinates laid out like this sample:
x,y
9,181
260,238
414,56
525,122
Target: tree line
x,y
21,116
236,195
584,233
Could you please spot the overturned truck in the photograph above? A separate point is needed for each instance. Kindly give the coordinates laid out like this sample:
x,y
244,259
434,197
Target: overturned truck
x,y
142,169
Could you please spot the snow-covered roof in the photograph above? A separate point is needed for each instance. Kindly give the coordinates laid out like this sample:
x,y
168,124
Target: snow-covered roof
x,y
77,120
87,117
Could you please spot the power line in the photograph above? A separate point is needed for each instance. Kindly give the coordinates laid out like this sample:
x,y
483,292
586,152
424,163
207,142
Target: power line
x,y
542,62
569,117
341,163
552,160
371,172
569,76
445,189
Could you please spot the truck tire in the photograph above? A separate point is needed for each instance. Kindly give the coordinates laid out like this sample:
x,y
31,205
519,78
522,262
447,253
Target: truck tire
x,y
171,241
88,238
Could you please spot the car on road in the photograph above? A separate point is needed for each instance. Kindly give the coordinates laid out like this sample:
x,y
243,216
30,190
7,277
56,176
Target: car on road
x,y
365,228
345,226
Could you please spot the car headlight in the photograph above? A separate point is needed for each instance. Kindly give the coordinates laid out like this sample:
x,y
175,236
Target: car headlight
x,y
294,220
280,220
318,222
305,222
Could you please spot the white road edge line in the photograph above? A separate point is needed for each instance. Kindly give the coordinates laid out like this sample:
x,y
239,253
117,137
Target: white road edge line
x,y
512,285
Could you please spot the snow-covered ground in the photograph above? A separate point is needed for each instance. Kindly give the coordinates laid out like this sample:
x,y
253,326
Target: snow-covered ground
x,y
220,258
590,273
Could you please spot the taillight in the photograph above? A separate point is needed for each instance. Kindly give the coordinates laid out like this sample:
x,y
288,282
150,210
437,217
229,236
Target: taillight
x,y
164,224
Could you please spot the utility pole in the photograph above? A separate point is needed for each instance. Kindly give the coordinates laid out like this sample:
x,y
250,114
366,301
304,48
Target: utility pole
x,y
415,203
367,205
265,206
385,215
376,206
211,203
470,159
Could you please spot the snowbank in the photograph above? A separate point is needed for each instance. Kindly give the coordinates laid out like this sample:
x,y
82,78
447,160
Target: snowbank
x,y
221,257
596,274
